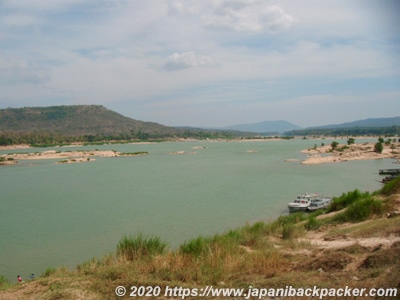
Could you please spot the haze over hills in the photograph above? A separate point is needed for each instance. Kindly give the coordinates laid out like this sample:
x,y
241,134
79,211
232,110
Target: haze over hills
x,y
265,127
79,120
371,122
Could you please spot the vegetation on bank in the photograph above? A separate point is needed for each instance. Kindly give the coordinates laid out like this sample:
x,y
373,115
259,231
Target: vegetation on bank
x,y
259,255
351,131
62,125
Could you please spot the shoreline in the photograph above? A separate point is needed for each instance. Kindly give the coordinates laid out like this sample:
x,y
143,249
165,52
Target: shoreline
x,y
316,155
343,153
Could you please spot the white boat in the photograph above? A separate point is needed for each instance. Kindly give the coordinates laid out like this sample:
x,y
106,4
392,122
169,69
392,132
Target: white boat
x,y
319,203
301,202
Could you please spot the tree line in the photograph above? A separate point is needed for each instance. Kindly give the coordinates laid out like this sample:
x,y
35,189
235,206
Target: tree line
x,y
354,131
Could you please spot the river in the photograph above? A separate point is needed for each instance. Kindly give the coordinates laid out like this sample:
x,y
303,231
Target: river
x,y
64,214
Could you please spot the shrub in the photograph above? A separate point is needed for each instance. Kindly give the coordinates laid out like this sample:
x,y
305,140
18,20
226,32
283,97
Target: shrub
x,y
138,246
378,147
392,187
360,210
345,200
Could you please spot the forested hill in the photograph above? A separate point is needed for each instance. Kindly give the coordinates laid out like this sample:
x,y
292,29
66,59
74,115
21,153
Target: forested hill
x,y
85,123
74,120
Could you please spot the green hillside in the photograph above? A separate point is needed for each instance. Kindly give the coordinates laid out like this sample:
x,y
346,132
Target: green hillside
x,y
75,120
86,123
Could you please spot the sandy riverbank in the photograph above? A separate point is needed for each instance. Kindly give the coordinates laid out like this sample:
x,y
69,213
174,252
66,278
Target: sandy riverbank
x,y
344,152
66,156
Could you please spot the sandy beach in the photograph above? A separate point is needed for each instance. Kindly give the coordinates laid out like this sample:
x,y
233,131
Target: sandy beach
x,y
344,152
65,156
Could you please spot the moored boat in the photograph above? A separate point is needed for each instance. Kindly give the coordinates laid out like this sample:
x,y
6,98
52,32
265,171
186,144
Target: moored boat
x,y
319,203
301,202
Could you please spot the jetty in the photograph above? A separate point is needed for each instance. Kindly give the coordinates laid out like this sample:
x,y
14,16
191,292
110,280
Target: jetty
x,y
389,172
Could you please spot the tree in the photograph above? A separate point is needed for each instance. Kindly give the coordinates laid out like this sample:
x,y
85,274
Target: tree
x,y
378,147
350,141
334,144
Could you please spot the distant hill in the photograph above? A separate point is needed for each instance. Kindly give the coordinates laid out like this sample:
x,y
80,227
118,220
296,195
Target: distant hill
x,y
74,120
265,127
371,122
87,123
372,126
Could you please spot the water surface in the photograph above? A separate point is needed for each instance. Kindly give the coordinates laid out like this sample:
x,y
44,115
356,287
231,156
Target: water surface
x,y
64,214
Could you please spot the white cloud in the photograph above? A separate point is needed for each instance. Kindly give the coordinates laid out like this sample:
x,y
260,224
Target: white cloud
x,y
219,54
15,70
185,60
248,16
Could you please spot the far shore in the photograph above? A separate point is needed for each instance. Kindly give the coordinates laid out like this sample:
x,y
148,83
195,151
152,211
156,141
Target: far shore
x,y
344,152
316,155
77,156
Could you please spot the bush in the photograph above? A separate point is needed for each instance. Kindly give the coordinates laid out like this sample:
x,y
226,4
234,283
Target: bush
x,y
390,188
135,247
379,147
360,210
345,200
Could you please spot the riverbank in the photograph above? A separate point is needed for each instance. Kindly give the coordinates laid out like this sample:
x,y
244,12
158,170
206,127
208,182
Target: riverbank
x,y
76,156
342,153
342,249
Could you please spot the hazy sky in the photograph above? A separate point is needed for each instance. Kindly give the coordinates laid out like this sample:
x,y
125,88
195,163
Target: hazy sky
x,y
205,63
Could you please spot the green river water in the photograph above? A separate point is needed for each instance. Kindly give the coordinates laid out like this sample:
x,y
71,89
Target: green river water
x,y
55,215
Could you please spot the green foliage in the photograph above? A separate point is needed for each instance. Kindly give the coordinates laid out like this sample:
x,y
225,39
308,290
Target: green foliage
x,y
350,141
4,284
378,147
60,125
290,219
334,144
48,272
196,246
312,223
360,210
354,131
132,248
345,200
390,188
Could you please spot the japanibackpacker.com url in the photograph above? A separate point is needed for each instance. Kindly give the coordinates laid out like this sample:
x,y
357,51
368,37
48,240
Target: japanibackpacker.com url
x,y
252,292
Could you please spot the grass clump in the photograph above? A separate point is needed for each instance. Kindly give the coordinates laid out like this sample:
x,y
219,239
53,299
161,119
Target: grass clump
x,y
4,284
49,272
345,200
312,223
390,188
360,210
196,247
132,248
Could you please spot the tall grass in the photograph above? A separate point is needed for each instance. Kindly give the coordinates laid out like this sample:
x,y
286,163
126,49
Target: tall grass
x,y
345,200
360,210
133,247
392,187
4,284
